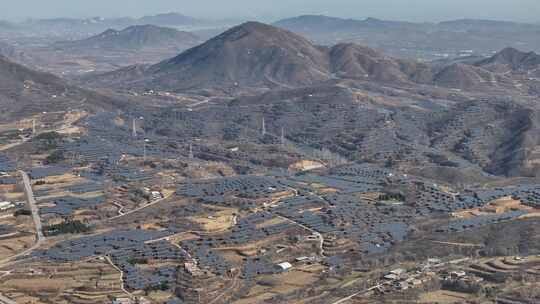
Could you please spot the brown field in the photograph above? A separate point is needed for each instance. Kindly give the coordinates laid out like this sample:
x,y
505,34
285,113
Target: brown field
x,y
219,221
15,245
90,281
281,284
443,297
270,222
497,206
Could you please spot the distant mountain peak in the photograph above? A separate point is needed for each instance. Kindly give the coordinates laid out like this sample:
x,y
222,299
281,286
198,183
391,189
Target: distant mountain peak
x,y
135,37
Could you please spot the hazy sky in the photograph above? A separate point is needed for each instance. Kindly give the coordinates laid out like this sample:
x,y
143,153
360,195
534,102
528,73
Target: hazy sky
x,y
412,10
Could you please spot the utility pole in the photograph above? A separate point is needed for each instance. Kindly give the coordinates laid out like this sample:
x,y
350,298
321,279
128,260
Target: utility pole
x,y
33,127
144,149
263,127
191,151
134,128
282,139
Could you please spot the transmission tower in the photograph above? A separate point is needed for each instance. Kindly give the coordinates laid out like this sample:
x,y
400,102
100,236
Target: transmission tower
x,y
191,151
134,128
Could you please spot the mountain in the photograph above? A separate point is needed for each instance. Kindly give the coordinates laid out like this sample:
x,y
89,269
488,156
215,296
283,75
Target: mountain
x,y
73,28
353,61
463,76
475,24
13,54
428,41
251,54
5,25
323,24
259,55
134,38
25,92
170,19
512,59
255,55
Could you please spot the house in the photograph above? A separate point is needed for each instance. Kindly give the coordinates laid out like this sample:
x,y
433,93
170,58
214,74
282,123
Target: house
x,y
284,266
156,195
391,277
457,274
304,259
122,301
6,206
398,271
142,300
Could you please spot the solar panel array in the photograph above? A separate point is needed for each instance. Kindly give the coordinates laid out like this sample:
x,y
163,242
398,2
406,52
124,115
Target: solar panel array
x,y
6,164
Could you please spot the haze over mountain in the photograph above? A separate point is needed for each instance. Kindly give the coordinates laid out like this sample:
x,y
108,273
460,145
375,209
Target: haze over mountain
x,y
257,55
417,40
135,37
82,28
170,19
320,24
5,25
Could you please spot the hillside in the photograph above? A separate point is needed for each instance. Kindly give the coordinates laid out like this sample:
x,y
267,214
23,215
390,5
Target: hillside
x,y
355,61
511,59
7,50
25,92
134,38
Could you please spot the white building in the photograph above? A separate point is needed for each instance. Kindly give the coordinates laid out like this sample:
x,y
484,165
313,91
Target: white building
x,y
123,301
284,266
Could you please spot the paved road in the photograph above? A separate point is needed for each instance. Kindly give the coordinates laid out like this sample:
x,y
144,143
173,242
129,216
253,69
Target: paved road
x,y
343,300
33,206
121,277
35,216
140,208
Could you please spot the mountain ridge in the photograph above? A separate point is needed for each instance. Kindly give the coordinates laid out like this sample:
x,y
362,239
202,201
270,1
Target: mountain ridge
x,y
134,38
258,55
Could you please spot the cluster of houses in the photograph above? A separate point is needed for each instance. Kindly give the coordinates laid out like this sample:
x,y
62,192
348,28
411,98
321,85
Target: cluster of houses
x,y
402,280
